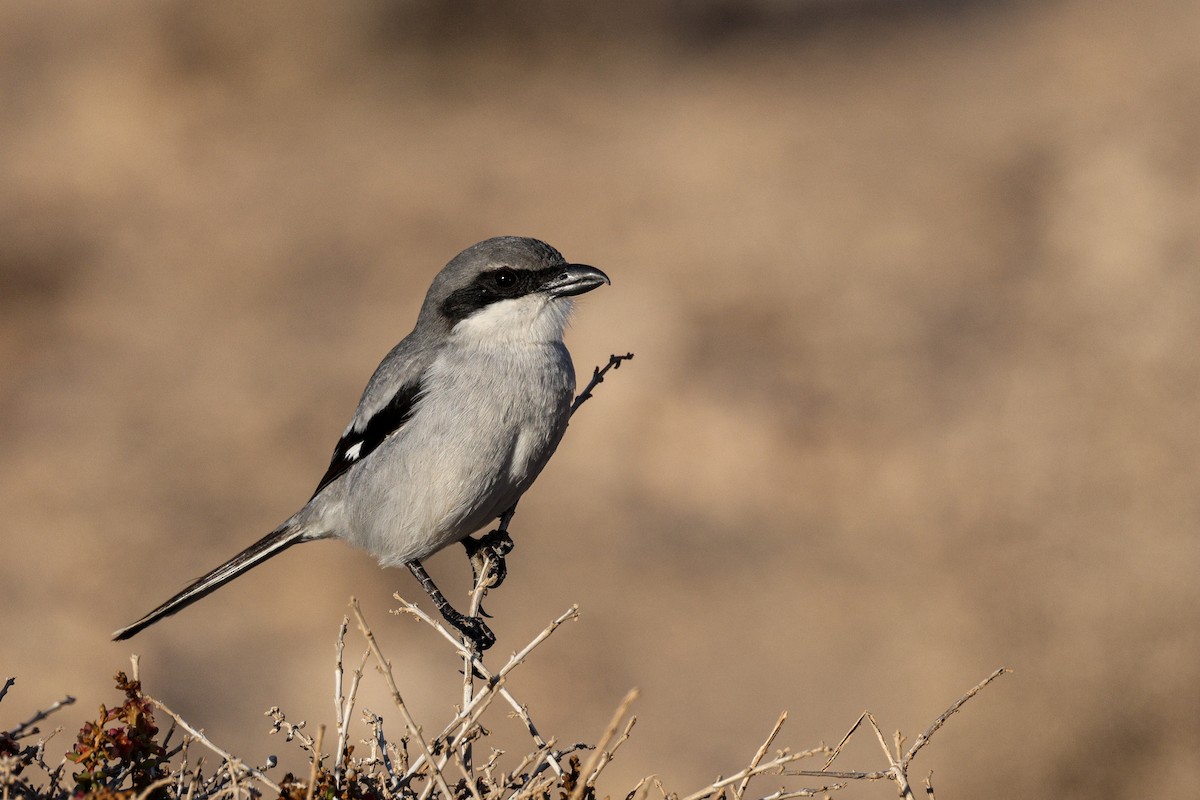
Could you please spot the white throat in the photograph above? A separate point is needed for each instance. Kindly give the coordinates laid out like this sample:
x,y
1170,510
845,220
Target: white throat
x,y
531,319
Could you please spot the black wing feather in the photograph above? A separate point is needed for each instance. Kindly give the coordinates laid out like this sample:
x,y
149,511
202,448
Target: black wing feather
x,y
386,421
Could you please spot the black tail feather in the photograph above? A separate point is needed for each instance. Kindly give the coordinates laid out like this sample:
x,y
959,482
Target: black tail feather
x,y
272,544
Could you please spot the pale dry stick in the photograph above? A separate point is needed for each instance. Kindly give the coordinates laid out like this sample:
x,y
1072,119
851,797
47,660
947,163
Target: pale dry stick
x,y
642,789
760,754
468,775
316,764
929,786
463,719
199,736
898,769
386,668
233,781
473,654
544,758
379,743
183,766
549,756
464,738
338,673
514,660
537,786
923,739
783,794
608,754
378,757
427,792
776,764
7,774
344,721
837,750
481,703
602,745
521,765
877,775
292,730
897,773
489,768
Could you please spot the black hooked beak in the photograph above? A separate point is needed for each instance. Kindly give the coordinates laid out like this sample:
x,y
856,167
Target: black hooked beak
x,y
575,279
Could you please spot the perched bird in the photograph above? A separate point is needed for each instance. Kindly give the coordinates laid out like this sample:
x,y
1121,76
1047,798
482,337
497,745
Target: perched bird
x,y
455,424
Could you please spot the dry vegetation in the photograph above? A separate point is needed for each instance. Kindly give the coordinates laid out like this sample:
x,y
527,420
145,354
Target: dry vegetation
x,y
913,289
121,754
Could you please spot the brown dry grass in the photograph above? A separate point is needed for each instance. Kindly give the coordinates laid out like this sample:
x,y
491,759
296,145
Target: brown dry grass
x,y
916,308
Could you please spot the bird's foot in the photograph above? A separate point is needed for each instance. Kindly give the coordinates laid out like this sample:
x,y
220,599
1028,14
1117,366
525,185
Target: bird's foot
x,y
487,557
473,628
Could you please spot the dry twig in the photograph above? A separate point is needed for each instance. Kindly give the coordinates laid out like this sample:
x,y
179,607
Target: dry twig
x,y
587,776
198,735
385,668
614,362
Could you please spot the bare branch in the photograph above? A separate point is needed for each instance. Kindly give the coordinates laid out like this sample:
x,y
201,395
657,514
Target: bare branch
x,y
495,682
758,756
923,739
199,736
775,765
897,772
316,763
27,728
614,362
385,668
602,746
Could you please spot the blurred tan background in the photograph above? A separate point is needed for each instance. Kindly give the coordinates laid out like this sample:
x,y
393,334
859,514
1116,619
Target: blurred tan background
x,y
914,293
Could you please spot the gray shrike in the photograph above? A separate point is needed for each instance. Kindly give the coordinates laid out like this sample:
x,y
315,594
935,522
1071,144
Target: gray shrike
x,y
455,424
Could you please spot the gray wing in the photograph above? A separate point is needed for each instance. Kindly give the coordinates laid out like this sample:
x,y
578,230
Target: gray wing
x,y
386,405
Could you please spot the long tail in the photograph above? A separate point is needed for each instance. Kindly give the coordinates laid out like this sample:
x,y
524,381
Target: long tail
x,y
273,543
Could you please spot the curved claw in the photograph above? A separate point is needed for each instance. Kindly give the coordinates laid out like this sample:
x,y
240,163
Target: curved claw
x,y
499,542
490,550
477,631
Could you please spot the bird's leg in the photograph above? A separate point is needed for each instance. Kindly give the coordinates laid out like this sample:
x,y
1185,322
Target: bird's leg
x,y
487,554
473,628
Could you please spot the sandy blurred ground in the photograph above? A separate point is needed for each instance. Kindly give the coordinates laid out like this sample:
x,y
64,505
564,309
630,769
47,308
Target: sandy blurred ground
x,y
915,298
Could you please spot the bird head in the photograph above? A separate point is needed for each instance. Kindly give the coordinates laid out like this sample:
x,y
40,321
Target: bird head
x,y
507,288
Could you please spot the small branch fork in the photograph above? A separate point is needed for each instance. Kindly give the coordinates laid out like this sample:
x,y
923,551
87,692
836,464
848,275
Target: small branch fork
x,y
235,766
898,761
15,757
434,755
614,362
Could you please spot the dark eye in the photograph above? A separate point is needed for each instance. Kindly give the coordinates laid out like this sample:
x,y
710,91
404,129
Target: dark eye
x,y
506,278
